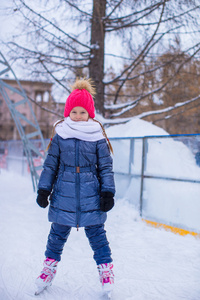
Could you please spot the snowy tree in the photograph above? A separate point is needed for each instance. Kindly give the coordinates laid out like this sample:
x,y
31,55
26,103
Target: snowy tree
x,y
64,39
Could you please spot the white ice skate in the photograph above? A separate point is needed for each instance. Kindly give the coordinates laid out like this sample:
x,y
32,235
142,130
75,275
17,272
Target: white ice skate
x,y
106,277
47,275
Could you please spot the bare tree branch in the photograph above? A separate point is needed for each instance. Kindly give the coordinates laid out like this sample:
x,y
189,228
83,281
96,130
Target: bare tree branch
x,y
41,54
113,10
141,54
130,105
50,73
167,109
118,78
134,22
135,13
77,8
126,23
54,25
177,113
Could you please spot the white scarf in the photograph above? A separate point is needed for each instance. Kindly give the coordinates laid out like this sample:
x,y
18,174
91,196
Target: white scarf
x,y
83,130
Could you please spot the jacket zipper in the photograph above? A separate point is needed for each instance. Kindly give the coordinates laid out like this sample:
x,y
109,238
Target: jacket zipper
x,y
77,185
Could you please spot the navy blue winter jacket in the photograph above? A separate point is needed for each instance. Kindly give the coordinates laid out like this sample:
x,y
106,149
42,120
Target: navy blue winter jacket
x,y
76,171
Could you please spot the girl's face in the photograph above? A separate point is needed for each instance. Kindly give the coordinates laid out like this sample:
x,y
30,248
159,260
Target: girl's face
x,y
79,113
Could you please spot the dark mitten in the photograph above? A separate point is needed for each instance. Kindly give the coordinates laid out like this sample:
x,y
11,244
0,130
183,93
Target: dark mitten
x,y
42,198
106,201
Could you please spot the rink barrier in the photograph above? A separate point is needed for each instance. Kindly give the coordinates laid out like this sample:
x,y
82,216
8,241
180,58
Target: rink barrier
x,y
173,229
192,141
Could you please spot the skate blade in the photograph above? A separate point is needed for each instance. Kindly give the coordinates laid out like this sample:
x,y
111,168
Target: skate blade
x,y
108,295
40,290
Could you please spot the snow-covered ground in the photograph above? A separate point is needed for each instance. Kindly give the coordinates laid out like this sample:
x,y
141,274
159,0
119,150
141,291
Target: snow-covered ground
x,y
150,264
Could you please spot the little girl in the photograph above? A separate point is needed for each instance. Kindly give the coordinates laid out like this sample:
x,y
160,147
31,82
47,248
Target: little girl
x,y
78,176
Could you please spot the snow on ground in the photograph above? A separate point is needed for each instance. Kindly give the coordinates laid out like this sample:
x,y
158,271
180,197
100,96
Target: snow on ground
x,y
149,263
136,128
165,156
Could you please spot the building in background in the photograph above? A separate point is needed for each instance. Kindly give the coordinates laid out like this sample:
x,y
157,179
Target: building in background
x,y
41,93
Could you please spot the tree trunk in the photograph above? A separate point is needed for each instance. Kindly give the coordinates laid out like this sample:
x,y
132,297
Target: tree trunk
x,y
96,67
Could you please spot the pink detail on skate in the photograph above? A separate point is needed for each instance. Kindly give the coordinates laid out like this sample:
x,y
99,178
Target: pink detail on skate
x,y
49,261
49,271
43,276
106,274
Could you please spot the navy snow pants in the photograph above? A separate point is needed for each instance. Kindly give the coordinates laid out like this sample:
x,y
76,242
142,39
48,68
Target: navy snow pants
x,y
96,235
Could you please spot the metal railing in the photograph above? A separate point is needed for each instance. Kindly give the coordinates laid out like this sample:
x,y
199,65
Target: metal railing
x,y
21,121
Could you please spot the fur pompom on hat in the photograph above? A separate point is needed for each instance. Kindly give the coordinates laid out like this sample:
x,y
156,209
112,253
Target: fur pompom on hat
x,y
81,95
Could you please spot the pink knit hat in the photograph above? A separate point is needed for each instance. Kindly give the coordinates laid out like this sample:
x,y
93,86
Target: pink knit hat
x,y
81,96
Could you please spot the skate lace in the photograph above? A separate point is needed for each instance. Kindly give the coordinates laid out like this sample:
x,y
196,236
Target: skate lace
x,y
106,272
51,265
48,272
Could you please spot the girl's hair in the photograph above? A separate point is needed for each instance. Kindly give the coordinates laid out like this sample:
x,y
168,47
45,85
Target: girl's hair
x,y
103,131
105,135
53,133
